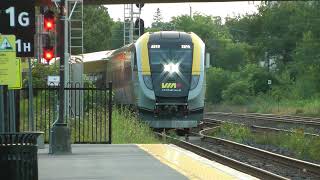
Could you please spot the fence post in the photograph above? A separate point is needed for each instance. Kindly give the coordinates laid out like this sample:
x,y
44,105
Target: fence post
x,y
17,107
2,109
30,100
12,119
110,112
6,109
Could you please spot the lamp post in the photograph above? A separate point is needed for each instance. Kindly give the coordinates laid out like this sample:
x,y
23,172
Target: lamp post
x,y
60,142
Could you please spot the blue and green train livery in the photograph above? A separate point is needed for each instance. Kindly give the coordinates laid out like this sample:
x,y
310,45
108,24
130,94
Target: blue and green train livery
x,y
167,79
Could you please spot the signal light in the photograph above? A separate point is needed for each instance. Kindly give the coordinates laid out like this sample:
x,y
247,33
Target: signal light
x,y
48,54
139,26
49,21
140,5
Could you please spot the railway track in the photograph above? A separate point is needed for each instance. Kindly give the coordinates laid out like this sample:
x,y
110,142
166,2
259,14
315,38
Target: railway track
x,y
218,157
256,162
278,164
254,128
309,124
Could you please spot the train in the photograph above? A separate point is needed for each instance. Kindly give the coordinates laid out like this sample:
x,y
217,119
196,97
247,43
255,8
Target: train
x,y
164,78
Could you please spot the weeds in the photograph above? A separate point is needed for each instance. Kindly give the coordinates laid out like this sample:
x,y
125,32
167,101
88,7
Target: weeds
x,y
302,146
268,105
128,129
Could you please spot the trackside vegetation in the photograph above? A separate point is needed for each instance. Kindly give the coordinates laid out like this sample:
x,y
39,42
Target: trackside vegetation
x,y
279,43
296,144
127,129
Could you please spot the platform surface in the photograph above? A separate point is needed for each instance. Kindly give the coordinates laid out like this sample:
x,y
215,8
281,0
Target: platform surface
x,y
149,161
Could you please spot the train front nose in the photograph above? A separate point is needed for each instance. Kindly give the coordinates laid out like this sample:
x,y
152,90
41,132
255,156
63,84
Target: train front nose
x,y
171,87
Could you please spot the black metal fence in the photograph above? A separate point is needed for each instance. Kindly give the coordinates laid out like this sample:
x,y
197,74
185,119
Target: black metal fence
x,y
88,110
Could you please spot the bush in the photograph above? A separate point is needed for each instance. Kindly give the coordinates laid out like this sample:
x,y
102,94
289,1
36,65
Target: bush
x,y
217,80
237,93
258,78
40,73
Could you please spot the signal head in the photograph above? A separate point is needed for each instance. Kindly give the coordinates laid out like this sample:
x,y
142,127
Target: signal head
x,y
49,20
48,54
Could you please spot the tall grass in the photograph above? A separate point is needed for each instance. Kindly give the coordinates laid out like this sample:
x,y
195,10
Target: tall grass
x,y
93,126
128,129
310,107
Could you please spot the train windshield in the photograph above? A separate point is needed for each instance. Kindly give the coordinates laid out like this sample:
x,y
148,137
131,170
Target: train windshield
x,y
162,56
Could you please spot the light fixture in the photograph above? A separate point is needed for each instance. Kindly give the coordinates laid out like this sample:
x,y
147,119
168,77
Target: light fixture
x,y
171,68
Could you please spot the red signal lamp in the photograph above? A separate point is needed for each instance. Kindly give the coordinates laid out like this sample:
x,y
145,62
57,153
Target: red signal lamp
x,y
48,54
48,24
49,21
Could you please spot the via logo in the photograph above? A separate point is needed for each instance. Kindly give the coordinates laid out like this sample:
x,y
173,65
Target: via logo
x,y
171,85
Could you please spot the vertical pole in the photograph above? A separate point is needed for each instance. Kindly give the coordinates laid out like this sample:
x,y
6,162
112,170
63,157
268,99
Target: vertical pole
x,y
12,120
124,24
30,105
6,109
66,58
110,112
207,60
61,50
131,24
2,120
60,140
17,107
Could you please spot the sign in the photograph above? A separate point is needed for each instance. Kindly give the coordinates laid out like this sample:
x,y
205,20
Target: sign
x,y
7,60
269,82
53,80
18,75
18,18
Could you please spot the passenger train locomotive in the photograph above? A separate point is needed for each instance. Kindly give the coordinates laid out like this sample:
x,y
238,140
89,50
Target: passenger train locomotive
x,y
167,79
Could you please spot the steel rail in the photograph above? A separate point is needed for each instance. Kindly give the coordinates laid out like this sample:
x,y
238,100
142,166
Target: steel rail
x,y
301,165
240,166
314,122
287,116
254,127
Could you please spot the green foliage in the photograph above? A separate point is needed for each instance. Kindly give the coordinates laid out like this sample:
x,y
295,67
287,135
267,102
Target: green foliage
x,y
217,81
157,19
40,73
237,93
237,133
231,56
127,129
258,78
97,29
116,35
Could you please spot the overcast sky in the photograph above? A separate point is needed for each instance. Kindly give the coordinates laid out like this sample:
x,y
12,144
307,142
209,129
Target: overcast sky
x,y
222,9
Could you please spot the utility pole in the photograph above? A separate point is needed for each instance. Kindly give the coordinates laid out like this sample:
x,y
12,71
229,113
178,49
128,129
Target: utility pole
x,y
60,142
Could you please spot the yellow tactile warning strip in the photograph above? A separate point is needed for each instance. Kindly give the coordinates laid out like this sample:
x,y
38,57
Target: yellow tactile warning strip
x,y
191,165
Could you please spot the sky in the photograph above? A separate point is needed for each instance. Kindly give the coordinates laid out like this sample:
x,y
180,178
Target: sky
x,y
168,10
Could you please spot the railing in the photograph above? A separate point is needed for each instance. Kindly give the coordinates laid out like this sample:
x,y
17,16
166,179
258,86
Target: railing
x,y
88,111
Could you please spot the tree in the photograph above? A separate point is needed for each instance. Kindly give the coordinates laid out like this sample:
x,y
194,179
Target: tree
x,y
117,35
97,29
157,19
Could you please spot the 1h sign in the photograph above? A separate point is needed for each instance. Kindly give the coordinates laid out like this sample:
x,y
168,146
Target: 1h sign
x,y
17,17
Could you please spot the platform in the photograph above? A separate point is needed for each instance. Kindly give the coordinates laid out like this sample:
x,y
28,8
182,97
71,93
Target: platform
x,y
121,162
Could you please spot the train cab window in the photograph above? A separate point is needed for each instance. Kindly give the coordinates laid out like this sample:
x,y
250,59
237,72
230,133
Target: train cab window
x,y
161,56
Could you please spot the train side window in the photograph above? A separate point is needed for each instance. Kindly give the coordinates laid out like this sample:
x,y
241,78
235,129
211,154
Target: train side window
x,y
135,67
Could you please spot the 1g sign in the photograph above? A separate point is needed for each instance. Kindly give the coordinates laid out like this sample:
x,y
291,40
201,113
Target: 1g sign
x,y
17,17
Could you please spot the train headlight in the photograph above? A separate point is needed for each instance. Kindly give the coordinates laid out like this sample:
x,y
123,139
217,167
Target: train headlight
x,y
194,82
148,82
171,68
